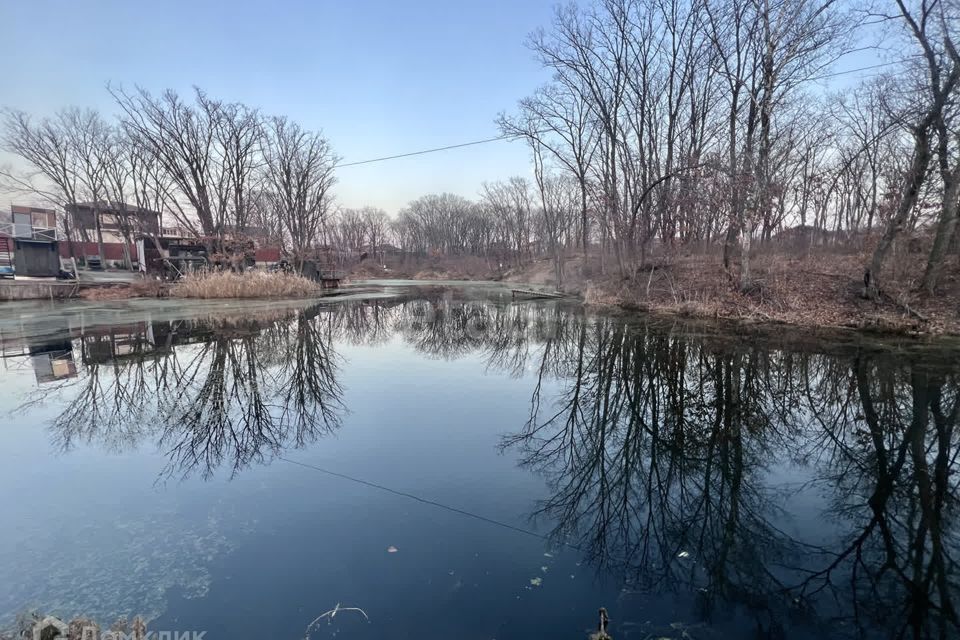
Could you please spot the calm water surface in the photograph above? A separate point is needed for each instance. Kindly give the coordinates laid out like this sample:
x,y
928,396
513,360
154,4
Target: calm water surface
x,y
473,468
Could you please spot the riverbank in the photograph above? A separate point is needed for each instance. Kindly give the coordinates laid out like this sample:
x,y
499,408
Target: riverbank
x,y
816,292
816,289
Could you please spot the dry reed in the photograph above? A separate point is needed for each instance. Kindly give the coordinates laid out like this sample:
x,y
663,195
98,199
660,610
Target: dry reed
x,y
249,284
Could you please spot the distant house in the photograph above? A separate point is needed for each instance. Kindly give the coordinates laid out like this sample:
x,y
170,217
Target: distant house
x,y
175,231
267,256
30,223
119,224
117,220
28,242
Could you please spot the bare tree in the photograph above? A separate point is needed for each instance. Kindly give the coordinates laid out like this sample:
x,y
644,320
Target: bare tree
x,y
351,229
47,149
947,126
437,224
89,136
209,149
238,130
942,76
556,110
377,225
299,175
510,202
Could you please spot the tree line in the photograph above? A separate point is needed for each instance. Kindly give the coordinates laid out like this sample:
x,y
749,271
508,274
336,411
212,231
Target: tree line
x,y
207,166
685,121
665,124
705,123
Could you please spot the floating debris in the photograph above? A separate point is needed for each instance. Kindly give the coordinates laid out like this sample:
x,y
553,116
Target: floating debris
x,y
392,549
544,568
536,581
683,554
330,615
547,555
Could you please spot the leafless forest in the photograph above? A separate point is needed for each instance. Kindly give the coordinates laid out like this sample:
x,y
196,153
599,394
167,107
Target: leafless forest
x,y
670,127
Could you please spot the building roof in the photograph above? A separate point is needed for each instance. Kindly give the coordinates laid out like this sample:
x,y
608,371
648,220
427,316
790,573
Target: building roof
x,y
19,208
106,206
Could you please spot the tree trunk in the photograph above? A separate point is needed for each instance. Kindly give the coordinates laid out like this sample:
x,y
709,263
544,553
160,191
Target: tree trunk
x,y
584,229
127,261
729,241
745,258
913,183
67,232
946,227
96,218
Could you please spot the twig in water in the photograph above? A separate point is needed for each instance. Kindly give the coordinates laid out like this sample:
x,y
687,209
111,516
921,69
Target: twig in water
x,y
332,614
601,633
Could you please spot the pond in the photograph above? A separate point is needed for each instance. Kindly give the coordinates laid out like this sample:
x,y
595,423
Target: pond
x,y
454,464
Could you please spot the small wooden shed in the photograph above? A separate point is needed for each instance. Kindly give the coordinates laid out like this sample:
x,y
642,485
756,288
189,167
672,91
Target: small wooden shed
x,y
36,258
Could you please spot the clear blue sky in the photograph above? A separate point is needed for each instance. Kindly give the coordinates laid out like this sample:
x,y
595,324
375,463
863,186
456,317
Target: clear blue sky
x,y
378,76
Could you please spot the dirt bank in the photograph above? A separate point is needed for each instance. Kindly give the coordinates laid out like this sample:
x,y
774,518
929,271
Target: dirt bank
x,y
814,289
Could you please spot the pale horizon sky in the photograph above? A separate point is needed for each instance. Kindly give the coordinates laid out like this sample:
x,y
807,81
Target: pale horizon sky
x,y
378,77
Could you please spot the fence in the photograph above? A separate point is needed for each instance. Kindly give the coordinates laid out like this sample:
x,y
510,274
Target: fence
x,y
27,231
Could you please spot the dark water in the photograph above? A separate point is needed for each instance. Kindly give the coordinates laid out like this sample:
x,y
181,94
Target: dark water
x,y
243,472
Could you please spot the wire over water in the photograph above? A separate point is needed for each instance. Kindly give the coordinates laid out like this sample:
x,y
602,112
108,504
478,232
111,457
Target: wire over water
x,y
432,503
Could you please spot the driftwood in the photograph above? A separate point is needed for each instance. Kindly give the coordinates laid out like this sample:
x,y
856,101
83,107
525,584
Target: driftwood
x,y
903,305
530,293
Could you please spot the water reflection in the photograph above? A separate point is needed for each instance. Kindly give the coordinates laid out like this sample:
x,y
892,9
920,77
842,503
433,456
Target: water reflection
x,y
212,392
802,487
665,455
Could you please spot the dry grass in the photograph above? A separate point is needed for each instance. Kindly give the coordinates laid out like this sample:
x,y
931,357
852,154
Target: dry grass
x,y
250,284
124,291
113,292
821,289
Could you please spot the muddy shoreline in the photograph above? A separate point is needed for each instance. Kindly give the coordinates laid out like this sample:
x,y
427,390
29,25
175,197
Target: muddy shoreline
x,y
37,319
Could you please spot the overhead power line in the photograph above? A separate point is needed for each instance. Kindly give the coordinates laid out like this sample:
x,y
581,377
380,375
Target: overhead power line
x,y
515,136
849,71
419,153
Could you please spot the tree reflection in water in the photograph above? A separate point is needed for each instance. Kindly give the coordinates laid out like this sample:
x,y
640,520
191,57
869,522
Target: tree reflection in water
x,y
211,393
666,453
667,447
664,445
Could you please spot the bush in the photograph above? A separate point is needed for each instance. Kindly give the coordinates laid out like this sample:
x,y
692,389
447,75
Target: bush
x,y
249,284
